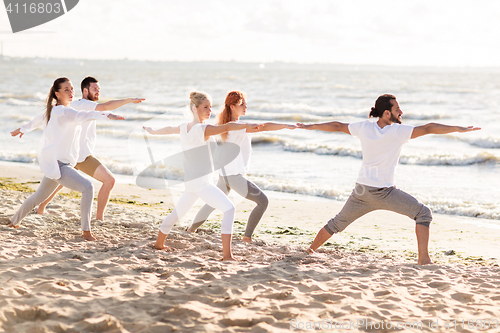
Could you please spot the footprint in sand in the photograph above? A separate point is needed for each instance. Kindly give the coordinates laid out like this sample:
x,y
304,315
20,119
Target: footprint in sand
x,y
440,285
463,297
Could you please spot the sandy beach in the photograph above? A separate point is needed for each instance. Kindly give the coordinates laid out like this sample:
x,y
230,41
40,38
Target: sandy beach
x,y
365,279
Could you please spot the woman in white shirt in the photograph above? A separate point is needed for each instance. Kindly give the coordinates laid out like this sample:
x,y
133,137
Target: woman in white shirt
x,y
195,138
58,153
233,175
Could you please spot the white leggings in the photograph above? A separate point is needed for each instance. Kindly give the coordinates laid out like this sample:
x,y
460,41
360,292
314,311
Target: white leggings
x,y
213,196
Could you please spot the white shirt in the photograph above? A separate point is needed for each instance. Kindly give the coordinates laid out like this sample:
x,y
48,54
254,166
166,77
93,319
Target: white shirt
x,y
197,153
88,132
381,149
61,138
238,166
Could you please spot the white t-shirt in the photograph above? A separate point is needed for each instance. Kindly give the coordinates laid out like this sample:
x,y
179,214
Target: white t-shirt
x,y
381,149
238,166
88,132
198,164
61,138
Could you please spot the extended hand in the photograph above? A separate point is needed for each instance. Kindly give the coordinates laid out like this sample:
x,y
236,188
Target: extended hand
x,y
304,126
468,129
17,132
137,100
254,126
113,116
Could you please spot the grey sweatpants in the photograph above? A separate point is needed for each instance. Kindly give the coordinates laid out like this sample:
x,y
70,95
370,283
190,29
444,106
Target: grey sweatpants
x,y
365,199
70,178
246,189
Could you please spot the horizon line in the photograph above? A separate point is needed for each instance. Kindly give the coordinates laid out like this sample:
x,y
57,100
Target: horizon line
x,y
257,62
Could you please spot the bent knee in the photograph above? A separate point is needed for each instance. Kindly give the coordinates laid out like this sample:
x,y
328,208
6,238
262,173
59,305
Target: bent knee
x,y
229,209
333,226
424,216
264,200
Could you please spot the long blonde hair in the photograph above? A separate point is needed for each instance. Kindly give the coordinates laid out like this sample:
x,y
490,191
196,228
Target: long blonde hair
x,y
232,98
52,96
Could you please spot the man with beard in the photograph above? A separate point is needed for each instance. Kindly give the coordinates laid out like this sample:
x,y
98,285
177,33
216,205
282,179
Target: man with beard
x,y
381,143
87,163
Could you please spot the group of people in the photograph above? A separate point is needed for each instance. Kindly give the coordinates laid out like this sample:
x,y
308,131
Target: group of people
x,y
69,138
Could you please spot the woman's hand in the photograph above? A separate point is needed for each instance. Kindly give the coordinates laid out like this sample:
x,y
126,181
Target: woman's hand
x,y
254,126
304,126
113,116
17,132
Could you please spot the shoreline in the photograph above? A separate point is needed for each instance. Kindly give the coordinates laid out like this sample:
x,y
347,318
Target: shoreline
x,y
295,219
54,281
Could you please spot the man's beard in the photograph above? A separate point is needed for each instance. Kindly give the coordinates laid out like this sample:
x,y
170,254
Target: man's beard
x,y
394,119
91,97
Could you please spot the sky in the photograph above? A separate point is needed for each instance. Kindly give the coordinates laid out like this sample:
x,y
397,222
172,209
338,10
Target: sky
x,y
382,32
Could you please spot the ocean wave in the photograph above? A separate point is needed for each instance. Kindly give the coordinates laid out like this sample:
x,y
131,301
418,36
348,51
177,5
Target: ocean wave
x,y
22,102
144,118
482,142
448,159
286,117
128,134
23,157
290,186
302,112
18,117
425,116
302,108
160,109
461,208
451,159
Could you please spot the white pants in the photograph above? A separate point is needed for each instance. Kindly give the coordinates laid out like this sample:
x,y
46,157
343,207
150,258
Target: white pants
x,y
213,196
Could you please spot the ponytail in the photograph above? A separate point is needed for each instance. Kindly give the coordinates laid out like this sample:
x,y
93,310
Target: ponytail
x,y
52,95
382,103
232,98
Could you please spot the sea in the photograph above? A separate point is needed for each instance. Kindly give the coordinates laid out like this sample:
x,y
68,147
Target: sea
x,y
456,174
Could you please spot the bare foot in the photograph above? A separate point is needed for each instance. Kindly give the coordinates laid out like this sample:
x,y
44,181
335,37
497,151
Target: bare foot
x,y
426,261
315,254
13,226
41,210
231,258
190,230
162,247
247,239
87,235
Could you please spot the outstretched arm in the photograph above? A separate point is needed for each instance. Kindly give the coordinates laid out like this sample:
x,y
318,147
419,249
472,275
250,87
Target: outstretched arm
x,y
435,128
163,131
28,127
218,129
270,127
116,103
333,126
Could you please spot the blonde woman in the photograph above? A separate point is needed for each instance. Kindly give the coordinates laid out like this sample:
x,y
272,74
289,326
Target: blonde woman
x,y
195,138
233,175
59,150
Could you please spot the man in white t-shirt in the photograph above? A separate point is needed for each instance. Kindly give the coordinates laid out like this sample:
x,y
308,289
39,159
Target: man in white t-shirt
x,y
381,144
86,162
